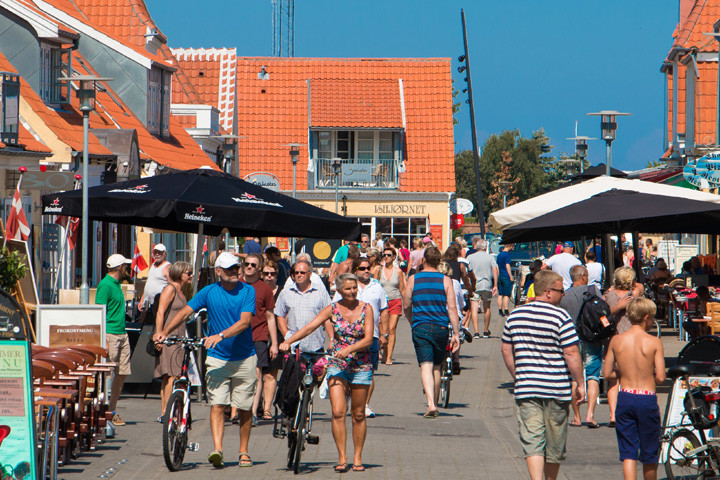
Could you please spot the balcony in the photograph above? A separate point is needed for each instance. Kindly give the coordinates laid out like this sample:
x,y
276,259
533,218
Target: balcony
x,y
360,174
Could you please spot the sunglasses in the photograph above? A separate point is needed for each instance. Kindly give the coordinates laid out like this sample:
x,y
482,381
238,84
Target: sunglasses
x,y
247,264
362,269
300,272
388,255
233,268
272,274
561,292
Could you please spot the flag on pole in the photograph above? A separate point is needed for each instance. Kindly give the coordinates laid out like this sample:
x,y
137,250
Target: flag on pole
x,y
138,262
205,249
72,224
17,225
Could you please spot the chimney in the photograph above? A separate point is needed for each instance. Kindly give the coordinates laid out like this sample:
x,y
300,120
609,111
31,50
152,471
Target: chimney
x,y
686,7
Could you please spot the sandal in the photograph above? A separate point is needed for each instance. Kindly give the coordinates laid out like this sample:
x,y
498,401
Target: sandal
x,y
341,468
216,458
432,414
267,416
358,468
244,463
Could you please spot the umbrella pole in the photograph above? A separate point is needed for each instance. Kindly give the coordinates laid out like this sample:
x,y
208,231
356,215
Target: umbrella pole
x,y
636,253
198,252
609,254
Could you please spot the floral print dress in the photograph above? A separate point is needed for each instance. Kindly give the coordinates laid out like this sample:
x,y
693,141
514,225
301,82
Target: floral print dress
x,y
347,334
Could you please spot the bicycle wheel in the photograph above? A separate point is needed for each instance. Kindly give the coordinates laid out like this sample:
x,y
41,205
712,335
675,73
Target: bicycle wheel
x,y
680,466
300,435
174,436
445,377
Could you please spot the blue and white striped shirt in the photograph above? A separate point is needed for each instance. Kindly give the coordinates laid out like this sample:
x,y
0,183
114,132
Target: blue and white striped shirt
x,y
429,300
538,333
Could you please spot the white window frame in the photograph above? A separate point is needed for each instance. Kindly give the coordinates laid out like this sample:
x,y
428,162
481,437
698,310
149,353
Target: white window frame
x,y
356,134
51,90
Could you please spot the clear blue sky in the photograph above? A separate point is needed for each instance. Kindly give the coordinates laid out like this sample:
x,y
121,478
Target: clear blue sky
x,y
534,64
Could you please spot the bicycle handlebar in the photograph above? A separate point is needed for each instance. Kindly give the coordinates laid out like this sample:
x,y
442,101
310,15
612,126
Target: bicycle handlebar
x,y
186,342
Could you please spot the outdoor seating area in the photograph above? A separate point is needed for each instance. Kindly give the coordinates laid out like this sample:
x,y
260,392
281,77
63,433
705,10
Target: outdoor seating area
x,y
71,409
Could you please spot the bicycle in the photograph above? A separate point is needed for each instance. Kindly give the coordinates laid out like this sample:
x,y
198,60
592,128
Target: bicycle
x,y
299,427
178,418
446,368
687,456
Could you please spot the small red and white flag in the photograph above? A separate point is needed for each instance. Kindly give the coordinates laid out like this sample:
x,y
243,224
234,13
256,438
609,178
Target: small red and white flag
x,y
138,262
72,226
205,249
17,225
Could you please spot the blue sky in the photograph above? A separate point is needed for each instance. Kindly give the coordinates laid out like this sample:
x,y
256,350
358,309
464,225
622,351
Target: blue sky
x,y
534,64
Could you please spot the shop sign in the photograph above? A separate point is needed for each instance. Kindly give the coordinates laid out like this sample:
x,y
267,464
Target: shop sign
x,y
357,172
437,232
14,323
395,209
321,251
461,206
704,172
48,181
265,180
63,325
17,436
282,243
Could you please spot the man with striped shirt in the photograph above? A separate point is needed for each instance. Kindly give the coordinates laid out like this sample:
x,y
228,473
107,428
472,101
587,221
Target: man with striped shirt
x,y
540,349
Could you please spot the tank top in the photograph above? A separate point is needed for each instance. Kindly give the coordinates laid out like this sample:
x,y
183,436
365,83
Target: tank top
x,y
455,266
392,286
429,301
156,282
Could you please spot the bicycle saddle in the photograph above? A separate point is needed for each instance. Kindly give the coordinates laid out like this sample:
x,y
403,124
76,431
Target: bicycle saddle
x,y
714,371
679,371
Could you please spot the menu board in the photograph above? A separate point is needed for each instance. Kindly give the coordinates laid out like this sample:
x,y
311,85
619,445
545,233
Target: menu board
x,y
437,232
17,449
683,253
63,325
666,251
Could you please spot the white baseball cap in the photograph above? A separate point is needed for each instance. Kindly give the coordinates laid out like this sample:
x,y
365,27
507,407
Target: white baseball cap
x,y
226,260
115,260
160,248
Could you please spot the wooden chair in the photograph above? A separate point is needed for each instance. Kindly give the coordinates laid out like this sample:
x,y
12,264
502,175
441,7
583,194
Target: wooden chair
x,y
714,323
380,173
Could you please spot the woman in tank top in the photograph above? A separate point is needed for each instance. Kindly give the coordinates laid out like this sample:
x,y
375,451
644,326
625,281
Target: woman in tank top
x,y
172,300
393,281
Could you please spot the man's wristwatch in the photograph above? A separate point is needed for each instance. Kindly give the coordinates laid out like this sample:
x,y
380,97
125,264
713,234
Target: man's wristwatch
x,y
386,335
222,335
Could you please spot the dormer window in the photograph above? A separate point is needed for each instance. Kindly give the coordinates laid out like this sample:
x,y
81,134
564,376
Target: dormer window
x,y
158,106
10,86
55,63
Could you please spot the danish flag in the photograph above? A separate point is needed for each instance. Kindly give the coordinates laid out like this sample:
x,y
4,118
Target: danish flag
x,y
138,262
17,225
72,229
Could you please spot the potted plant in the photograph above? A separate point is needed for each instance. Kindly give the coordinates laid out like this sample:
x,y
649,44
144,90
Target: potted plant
x,y
12,269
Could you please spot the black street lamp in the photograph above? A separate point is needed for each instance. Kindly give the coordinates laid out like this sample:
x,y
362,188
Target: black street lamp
x,y
608,127
581,149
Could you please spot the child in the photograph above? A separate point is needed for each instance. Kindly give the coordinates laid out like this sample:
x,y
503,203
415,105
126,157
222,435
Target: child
x,y
640,364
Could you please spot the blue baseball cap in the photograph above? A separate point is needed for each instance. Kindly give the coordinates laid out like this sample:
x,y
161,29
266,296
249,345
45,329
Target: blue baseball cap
x,y
568,245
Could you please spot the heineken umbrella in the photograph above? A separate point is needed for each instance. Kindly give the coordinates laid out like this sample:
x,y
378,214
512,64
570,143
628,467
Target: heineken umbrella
x,y
203,201
618,210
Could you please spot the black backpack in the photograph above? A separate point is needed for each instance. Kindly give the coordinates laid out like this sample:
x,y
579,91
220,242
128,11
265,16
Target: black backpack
x,y
287,396
595,322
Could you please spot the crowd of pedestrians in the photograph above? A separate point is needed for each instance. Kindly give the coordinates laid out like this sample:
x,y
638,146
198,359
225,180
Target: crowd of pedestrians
x,y
261,307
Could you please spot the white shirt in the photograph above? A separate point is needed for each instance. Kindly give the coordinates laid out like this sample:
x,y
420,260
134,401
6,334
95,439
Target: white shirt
x,y
562,263
155,284
374,295
595,273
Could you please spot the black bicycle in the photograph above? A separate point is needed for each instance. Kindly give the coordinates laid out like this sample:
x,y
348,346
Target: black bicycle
x,y
446,368
178,418
298,428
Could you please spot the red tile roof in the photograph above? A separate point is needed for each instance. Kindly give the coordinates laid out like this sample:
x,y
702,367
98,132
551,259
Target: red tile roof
x,y
274,112
355,103
700,21
125,19
212,72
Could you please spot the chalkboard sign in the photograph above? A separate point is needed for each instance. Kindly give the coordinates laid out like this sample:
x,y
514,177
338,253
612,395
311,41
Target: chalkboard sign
x,y
14,323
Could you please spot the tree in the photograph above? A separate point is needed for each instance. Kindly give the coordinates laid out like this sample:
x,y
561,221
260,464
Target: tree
x,y
504,185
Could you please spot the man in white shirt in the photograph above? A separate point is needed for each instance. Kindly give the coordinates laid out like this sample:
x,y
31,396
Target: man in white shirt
x,y
562,263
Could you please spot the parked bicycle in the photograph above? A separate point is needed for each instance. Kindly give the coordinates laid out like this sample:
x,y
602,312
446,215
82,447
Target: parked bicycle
x,y
689,453
446,368
178,418
298,428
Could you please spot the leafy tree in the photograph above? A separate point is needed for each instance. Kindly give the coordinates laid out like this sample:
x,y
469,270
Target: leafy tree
x,y
504,185
654,163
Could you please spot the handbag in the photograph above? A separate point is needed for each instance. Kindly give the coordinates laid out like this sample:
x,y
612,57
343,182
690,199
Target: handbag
x,y
150,347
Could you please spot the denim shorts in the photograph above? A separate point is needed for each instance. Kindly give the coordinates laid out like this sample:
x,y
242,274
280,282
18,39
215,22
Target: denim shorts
x,y
353,378
543,427
592,360
375,353
430,341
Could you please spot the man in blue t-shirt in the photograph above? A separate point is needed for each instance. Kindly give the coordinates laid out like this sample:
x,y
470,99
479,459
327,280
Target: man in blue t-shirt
x,y
230,365
505,280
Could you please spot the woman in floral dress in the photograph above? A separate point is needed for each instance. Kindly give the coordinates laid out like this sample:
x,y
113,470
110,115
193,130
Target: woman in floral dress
x,y
350,324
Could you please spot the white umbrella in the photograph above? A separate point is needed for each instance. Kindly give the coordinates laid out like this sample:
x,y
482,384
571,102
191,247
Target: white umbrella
x,y
562,197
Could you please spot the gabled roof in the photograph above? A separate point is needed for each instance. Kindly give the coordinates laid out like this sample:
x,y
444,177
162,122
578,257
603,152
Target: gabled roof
x,y
212,71
125,19
45,26
273,113
355,103
700,20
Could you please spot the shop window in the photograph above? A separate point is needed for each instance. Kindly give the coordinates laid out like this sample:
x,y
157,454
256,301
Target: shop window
x,y
406,229
158,102
55,63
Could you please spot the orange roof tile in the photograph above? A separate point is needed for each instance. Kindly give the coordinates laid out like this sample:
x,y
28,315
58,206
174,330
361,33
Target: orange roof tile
x,y
355,103
30,143
212,72
702,17
274,112
125,19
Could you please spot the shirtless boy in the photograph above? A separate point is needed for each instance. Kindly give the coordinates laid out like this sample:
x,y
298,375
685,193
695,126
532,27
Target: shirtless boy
x,y
638,359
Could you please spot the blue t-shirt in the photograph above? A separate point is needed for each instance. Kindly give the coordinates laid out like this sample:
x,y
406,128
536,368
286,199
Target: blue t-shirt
x,y
251,246
224,309
503,259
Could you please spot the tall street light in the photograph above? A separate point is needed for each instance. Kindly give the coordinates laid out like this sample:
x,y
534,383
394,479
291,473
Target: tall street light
x,y
86,95
294,158
581,148
608,126
337,166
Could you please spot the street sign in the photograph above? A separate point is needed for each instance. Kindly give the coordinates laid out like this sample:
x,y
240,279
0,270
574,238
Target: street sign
x,y
461,206
265,180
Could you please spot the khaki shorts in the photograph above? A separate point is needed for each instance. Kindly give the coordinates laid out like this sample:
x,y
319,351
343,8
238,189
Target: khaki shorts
x,y
543,427
231,382
119,351
482,296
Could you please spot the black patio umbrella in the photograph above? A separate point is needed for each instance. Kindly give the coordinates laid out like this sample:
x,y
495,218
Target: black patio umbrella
x,y
203,201
616,211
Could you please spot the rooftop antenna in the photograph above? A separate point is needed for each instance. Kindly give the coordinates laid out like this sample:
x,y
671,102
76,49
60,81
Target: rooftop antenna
x,y
283,22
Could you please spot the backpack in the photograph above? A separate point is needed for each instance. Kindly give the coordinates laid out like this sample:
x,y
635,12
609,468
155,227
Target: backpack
x,y
288,388
595,322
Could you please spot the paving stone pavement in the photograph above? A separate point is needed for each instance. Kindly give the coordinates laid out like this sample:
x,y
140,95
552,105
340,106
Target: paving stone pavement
x,y
476,437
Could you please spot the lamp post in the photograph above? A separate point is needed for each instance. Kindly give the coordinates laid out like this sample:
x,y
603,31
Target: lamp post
x,y
294,158
581,149
505,185
344,205
336,171
608,127
86,95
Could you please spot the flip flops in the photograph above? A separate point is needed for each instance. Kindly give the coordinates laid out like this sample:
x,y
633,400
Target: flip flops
x,y
341,468
593,425
573,424
358,468
432,414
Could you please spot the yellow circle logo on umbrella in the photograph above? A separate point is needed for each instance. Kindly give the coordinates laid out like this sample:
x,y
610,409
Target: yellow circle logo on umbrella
x,y
322,250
